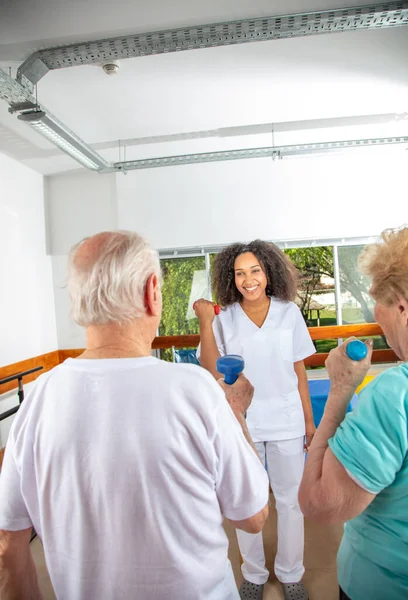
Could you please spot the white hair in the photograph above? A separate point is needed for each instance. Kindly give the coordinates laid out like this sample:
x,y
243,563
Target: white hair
x,y
110,287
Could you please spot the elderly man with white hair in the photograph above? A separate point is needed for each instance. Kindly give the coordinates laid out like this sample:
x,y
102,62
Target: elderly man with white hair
x,y
124,464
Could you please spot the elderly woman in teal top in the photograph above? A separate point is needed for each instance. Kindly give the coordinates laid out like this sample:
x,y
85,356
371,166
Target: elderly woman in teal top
x,y
357,467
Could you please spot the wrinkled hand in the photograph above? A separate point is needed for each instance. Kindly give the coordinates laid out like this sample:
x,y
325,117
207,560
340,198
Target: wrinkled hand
x,y
345,374
204,310
310,431
239,394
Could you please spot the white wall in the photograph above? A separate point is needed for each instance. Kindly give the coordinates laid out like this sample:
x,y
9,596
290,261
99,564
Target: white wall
x,y
27,317
27,320
79,204
354,194
70,335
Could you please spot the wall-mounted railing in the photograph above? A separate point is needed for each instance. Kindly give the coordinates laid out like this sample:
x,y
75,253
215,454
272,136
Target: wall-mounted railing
x,y
316,333
18,377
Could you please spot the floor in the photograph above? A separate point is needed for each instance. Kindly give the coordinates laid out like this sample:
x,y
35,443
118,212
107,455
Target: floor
x,y
321,544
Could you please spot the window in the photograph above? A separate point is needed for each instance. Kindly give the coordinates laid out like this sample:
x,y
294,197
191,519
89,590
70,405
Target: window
x,y
316,298
356,304
184,280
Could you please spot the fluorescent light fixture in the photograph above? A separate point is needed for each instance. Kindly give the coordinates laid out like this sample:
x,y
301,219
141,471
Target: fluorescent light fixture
x,y
64,139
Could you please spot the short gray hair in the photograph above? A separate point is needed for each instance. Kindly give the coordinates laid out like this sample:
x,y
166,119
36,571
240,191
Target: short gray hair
x,y
110,288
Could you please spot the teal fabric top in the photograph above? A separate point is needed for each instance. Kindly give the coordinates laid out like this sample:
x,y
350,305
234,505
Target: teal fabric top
x,y
372,444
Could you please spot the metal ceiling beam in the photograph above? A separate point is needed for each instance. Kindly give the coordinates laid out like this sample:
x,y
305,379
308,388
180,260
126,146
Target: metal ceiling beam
x,y
372,16
274,152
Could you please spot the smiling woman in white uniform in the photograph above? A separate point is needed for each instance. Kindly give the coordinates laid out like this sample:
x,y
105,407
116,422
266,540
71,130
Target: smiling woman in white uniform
x,y
255,284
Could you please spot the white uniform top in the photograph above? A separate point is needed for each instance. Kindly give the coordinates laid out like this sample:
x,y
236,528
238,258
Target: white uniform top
x,y
125,467
269,352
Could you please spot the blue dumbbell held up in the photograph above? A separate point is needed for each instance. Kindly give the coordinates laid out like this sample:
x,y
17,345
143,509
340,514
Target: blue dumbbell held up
x,y
230,366
356,350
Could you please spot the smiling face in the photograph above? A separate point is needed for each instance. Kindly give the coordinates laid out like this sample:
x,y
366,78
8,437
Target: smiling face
x,y
250,278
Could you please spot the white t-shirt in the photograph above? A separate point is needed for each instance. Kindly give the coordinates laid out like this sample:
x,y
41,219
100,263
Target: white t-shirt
x,y
126,467
269,352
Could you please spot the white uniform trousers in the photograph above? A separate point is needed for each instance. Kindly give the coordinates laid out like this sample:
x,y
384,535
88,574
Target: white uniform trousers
x,y
284,461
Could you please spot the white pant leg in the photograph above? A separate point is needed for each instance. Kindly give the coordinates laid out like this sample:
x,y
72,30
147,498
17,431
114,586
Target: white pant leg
x,y
285,462
251,545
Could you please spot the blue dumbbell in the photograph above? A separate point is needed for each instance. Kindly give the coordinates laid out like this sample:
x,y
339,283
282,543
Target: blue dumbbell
x,y
230,366
356,350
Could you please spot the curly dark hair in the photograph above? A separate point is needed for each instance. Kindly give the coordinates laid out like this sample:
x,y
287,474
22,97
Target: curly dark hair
x,y
281,273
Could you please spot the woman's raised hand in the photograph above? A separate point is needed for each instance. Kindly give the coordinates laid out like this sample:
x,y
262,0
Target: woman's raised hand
x,y
205,310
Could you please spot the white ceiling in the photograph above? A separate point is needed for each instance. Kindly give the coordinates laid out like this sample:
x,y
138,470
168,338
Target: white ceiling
x,y
177,94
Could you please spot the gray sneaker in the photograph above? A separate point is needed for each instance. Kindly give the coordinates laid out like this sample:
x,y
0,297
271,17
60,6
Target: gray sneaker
x,y
295,591
251,591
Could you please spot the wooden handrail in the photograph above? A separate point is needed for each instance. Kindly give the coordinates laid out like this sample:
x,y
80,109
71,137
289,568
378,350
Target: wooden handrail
x,y
52,359
316,360
344,331
163,342
379,356
316,333
46,361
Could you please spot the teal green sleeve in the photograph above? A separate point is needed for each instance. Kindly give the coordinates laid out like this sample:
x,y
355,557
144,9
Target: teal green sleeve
x,y
371,443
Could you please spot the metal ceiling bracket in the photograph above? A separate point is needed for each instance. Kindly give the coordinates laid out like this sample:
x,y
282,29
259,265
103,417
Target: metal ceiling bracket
x,y
34,70
21,101
21,106
13,92
372,16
